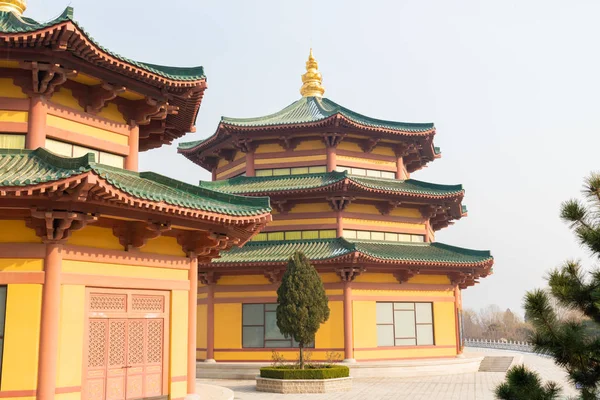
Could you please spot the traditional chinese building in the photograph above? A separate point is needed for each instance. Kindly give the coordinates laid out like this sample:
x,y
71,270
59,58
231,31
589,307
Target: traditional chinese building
x,y
98,262
340,186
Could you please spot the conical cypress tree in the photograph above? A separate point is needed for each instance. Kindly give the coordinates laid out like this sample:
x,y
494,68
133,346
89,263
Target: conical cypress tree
x,y
302,302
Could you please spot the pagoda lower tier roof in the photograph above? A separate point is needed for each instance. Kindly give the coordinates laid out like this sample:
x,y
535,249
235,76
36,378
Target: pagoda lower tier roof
x,y
39,172
12,27
340,250
270,185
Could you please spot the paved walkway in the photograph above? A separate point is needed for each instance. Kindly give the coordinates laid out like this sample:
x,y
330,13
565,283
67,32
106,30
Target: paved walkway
x,y
471,386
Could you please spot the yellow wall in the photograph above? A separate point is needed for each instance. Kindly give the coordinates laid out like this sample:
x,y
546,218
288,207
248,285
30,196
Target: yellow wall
x,y
376,277
65,97
364,318
310,145
239,168
379,150
311,207
228,326
201,328
84,267
71,339
21,337
21,264
269,148
13,116
112,113
9,89
163,245
178,337
331,333
372,209
94,236
292,222
15,231
83,129
444,322
365,162
243,280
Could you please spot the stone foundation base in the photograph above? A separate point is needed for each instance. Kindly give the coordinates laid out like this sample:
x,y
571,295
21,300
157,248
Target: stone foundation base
x,y
303,385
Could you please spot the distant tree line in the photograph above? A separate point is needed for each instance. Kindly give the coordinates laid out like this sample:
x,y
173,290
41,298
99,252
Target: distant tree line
x,y
492,323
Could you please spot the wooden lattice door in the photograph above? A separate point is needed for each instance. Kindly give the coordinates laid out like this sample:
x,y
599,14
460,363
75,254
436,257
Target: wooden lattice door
x,y
126,346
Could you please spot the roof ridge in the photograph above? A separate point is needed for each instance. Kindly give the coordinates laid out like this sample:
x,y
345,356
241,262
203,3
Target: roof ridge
x,y
282,111
487,253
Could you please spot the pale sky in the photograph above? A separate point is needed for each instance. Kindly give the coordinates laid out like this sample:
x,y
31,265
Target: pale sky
x,y
511,85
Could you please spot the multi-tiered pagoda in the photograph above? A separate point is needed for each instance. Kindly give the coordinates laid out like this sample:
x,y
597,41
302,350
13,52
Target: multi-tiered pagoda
x,y
340,186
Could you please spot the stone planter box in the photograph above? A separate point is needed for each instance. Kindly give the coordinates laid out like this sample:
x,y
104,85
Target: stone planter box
x,y
303,385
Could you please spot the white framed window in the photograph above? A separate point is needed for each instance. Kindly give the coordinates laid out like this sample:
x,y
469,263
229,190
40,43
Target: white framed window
x,y
404,324
71,150
259,328
371,173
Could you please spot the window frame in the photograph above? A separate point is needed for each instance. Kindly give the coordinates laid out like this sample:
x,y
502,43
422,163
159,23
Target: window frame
x,y
292,346
393,324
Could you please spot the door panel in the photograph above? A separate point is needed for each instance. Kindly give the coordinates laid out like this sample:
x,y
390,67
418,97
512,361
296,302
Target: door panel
x,y
126,342
117,345
154,357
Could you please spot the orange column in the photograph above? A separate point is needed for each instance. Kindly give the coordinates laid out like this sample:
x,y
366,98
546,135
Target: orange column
x,y
131,161
400,171
331,159
340,224
210,323
36,128
192,317
50,320
348,347
458,308
250,170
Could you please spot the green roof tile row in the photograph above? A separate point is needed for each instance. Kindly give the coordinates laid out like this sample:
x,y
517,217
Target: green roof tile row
x,y
12,23
271,184
326,249
27,167
311,110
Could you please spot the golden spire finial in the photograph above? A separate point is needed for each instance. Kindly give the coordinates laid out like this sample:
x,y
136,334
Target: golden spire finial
x,y
15,6
312,79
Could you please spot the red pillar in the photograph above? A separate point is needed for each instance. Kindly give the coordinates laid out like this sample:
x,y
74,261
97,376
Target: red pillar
x,y
36,130
458,308
331,159
400,170
250,171
192,321
210,323
348,346
49,327
340,224
131,161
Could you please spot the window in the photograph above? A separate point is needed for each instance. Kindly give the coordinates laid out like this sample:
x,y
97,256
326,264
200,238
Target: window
x,y
10,141
259,327
383,236
371,173
404,324
71,150
296,235
291,171
2,318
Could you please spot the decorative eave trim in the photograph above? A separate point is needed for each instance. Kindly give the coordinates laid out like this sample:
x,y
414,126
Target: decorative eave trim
x,y
68,36
226,130
359,257
89,183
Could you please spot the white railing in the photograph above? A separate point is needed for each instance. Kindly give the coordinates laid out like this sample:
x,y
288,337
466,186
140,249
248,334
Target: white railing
x,y
523,347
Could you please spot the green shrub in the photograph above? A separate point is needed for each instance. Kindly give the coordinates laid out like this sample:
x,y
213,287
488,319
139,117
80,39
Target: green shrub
x,y
290,372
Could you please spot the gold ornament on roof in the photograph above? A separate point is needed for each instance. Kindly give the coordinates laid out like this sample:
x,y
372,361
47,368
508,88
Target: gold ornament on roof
x,y
15,6
312,79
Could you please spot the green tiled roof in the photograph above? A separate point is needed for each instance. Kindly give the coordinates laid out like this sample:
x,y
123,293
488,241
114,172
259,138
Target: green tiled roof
x,y
27,167
326,249
314,109
271,184
11,23
311,110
